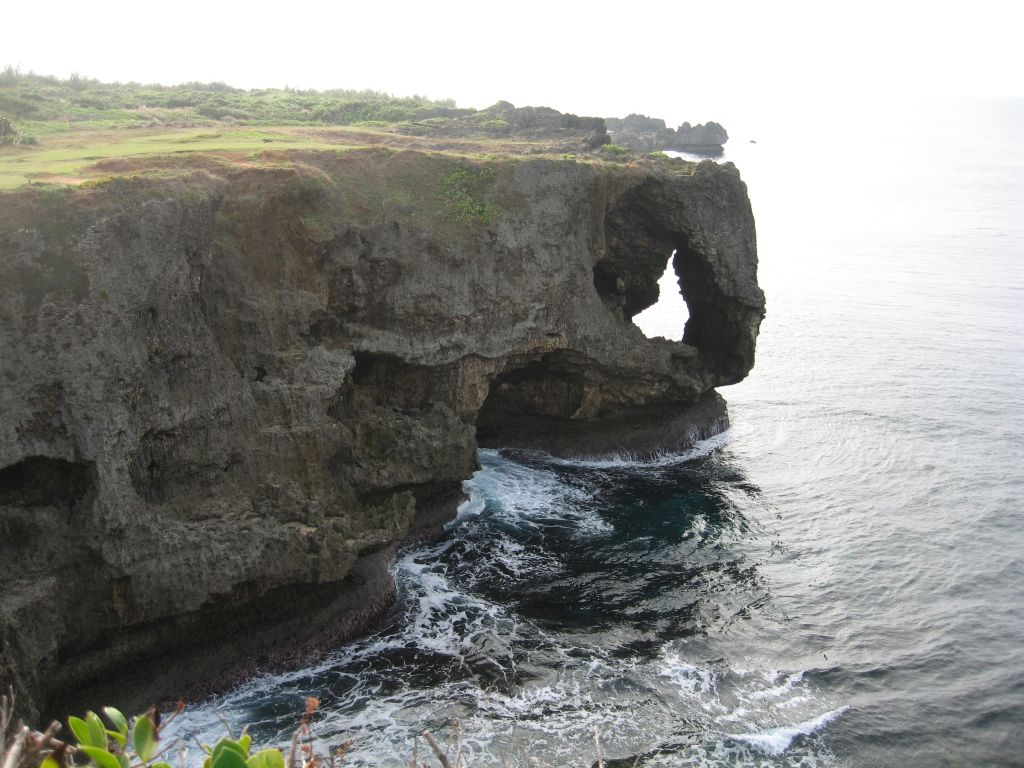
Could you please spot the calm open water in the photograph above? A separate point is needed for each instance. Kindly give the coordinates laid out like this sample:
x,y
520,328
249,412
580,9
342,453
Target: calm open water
x,y
836,581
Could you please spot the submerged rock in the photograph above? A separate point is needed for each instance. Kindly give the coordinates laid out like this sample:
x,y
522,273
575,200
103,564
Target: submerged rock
x,y
229,394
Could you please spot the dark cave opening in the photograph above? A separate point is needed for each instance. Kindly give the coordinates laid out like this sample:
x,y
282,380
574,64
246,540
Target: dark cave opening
x,y
40,481
537,396
382,379
39,498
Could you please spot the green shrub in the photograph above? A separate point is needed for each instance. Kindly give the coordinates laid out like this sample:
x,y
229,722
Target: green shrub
x,y
462,192
8,132
78,99
10,75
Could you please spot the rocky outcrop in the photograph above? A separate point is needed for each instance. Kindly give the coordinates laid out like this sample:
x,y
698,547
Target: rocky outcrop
x,y
228,393
503,119
648,134
639,132
709,136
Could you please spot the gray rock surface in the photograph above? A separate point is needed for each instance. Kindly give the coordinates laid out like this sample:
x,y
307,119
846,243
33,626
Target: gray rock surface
x,y
228,396
505,120
640,133
647,134
708,135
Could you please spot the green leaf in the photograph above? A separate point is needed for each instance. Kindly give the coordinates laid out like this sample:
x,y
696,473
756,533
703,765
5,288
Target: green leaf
x,y
101,757
122,758
245,742
161,764
266,758
228,758
144,738
208,762
119,738
80,729
97,733
234,746
119,721
49,763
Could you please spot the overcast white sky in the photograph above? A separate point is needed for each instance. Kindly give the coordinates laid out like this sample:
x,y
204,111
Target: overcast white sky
x,y
680,60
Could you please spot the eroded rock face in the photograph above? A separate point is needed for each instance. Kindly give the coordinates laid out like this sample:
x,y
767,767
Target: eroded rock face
x,y
503,119
226,397
648,134
702,135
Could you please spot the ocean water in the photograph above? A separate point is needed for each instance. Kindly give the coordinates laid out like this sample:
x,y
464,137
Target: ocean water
x,y
838,580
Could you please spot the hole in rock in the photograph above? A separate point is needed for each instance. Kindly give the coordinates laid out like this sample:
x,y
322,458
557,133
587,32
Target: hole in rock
x,y
387,380
668,315
39,481
44,506
531,398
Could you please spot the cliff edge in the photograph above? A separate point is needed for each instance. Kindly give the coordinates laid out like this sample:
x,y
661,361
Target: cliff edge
x,y
228,391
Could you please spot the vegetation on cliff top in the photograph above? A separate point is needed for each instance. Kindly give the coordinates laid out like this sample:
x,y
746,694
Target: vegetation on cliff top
x,y
79,131
50,105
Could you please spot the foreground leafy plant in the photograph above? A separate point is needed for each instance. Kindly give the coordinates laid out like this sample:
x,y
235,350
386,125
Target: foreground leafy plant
x,y
115,742
139,746
120,745
25,748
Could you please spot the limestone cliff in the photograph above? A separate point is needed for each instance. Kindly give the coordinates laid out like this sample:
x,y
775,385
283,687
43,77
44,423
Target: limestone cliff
x,y
229,391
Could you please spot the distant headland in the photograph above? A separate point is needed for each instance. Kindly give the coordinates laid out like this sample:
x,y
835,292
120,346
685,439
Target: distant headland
x,y
649,134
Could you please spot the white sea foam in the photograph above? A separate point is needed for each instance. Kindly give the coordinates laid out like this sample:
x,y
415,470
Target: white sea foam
x,y
686,676
547,716
668,459
472,506
775,741
529,497
785,685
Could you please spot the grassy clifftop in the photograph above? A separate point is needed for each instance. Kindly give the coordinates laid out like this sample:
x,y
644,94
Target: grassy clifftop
x,y
47,104
79,131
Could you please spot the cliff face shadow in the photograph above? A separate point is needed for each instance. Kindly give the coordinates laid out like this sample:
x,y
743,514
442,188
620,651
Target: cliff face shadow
x,y
538,406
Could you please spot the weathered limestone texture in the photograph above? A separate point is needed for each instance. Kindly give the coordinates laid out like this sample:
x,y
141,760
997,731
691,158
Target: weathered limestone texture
x,y
227,394
648,134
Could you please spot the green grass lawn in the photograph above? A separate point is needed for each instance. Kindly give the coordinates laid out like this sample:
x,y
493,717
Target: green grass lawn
x,y
71,158
79,121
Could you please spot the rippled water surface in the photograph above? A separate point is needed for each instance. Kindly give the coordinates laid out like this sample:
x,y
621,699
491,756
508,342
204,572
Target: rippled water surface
x,y
836,581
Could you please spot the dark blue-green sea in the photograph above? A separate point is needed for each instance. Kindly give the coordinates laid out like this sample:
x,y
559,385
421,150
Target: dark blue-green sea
x,y
838,580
